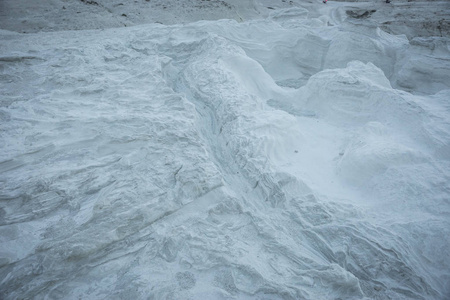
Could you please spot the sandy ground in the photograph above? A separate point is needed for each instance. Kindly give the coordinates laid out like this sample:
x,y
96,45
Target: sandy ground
x,y
413,18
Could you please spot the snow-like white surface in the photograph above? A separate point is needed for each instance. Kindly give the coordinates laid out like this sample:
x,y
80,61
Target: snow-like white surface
x,y
290,150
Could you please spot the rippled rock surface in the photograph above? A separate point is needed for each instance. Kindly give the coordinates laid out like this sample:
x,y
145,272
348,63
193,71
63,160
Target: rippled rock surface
x,y
297,152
